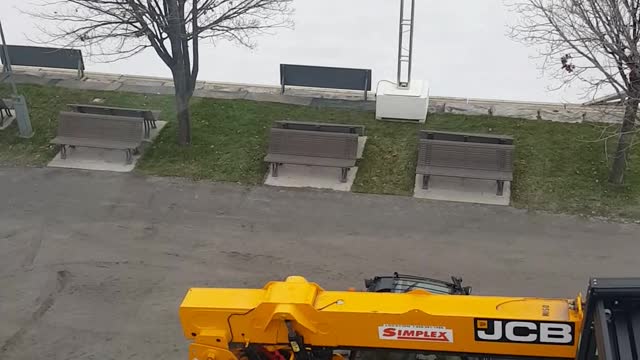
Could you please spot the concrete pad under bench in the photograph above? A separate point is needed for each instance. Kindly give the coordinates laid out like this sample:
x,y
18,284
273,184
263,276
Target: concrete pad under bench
x,y
94,159
302,176
102,159
362,142
462,190
8,120
153,133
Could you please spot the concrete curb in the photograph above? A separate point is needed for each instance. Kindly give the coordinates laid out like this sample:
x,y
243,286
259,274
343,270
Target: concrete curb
x,y
324,98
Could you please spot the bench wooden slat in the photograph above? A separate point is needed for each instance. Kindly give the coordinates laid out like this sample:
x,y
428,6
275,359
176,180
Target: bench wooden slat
x,y
466,137
309,160
326,127
116,111
94,143
465,173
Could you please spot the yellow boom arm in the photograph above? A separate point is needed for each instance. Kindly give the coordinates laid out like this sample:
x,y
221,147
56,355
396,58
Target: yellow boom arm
x,y
215,319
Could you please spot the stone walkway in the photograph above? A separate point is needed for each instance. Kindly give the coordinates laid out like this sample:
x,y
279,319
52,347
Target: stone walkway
x,y
574,113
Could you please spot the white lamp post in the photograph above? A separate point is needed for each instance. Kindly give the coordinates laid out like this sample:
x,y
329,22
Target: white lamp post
x,y
405,99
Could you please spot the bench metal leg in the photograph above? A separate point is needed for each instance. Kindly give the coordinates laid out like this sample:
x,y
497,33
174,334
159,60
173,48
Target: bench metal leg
x,y
274,169
129,156
344,175
500,191
366,86
425,181
147,129
282,80
63,152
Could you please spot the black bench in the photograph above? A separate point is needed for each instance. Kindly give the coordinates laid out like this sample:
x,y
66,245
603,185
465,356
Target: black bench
x,y
150,116
314,148
44,57
473,156
98,131
5,110
325,77
313,126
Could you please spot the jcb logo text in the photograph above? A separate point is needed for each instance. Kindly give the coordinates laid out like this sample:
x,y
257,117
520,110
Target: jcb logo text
x,y
531,332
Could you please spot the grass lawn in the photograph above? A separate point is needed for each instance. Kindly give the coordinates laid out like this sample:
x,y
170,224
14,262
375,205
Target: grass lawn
x,y
559,167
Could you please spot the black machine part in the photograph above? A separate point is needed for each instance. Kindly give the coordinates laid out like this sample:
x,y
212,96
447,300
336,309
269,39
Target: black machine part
x,y
399,283
611,328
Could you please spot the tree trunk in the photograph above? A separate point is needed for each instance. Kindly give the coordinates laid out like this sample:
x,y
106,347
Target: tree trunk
x,y
182,105
616,176
181,76
184,119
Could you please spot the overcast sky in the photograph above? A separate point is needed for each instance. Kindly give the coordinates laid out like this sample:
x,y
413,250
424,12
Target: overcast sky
x,y
461,48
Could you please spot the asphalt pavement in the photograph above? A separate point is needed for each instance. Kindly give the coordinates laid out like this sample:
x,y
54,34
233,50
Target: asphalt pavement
x,y
94,265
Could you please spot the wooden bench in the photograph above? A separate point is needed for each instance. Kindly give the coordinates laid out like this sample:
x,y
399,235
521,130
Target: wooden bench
x,y
150,116
99,131
325,77
313,126
5,110
473,156
314,148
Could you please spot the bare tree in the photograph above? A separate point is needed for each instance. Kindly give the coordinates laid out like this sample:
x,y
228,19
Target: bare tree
x,y
173,28
594,42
